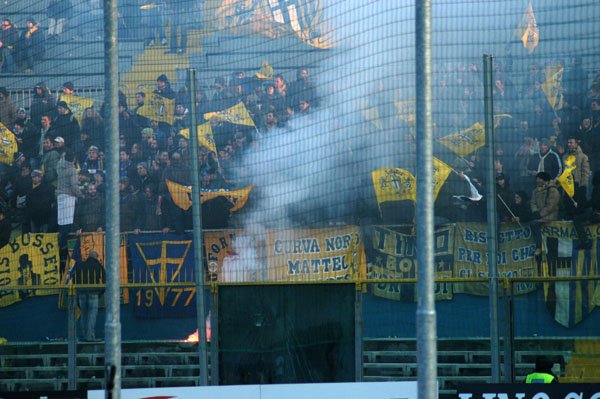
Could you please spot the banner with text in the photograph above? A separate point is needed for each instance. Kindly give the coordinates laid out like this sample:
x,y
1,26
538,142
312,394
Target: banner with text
x,y
233,256
27,263
334,253
515,256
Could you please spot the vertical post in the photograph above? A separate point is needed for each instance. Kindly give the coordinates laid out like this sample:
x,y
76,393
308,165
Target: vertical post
x,y
214,337
426,316
509,333
72,338
198,244
112,346
358,333
492,226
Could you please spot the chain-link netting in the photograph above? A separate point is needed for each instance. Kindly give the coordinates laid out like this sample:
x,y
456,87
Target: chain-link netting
x,y
305,115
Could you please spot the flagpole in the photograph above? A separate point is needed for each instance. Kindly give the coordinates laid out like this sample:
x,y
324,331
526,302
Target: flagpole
x,y
198,242
509,210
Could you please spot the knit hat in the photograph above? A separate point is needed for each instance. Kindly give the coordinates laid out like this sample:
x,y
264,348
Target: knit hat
x,y
62,104
37,172
69,85
162,78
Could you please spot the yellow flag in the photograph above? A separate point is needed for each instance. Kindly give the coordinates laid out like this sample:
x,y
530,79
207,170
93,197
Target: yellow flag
x,y
77,105
237,198
205,136
466,141
305,18
245,17
158,108
394,184
441,171
238,114
552,87
8,146
182,195
527,30
265,72
566,179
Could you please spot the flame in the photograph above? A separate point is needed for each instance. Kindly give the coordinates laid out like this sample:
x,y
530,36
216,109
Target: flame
x,y
193,337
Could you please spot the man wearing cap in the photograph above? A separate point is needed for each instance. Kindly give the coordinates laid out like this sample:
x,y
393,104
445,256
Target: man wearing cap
x,y
547,161
66,124
9,36
68,88
40,204
59,145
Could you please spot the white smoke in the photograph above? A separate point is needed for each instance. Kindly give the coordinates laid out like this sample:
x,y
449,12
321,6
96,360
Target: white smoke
x,y
317,171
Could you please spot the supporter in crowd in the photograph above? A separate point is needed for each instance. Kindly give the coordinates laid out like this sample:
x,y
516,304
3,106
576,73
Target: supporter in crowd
x,y
89,272
547,161
42,103
9,36
50,160
93,124
130,206
8,111
92,162
66,124
89,212
67,192
27,139
31,45
40,204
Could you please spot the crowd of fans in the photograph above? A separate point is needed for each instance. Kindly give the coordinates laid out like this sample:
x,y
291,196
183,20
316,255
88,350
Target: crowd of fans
x,y
56,182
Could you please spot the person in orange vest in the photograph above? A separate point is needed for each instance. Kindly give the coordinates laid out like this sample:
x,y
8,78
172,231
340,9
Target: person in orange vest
x,y
543,372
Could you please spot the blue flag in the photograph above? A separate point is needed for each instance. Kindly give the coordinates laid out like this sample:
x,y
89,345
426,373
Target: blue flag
x,y
166,263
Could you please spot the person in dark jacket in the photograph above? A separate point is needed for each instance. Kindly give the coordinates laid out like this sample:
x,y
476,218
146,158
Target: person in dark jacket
x,y
40,203
89,212
9,36
42,103
521,208
547,161
86,273
27,138
31,45
130,206
66,124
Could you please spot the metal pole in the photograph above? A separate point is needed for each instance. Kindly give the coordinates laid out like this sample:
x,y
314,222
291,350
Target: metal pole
x,y
112,346
358,334
492,227
509,333
198,246
214,338
426,316
72,337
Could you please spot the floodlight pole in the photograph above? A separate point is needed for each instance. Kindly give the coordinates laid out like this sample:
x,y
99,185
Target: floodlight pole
x,y
426,316
492,225
197,220
112,326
